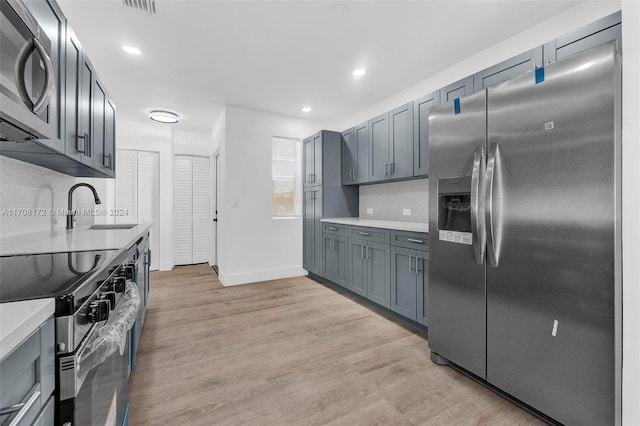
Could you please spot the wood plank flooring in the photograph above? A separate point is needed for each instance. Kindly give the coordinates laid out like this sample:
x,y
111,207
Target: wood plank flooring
x,y
291,352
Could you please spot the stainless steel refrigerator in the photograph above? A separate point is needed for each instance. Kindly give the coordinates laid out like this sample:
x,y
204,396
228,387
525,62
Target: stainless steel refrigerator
x,y
524,202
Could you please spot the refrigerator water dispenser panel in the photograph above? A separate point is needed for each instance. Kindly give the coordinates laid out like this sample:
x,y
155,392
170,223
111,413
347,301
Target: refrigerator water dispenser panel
x,y
454,210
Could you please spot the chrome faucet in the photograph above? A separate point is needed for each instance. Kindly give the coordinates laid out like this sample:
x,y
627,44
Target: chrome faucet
x,y
71,214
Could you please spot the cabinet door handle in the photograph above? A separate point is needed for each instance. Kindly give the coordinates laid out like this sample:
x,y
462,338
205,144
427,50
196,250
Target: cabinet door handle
x,y
415,241
22,408
106,163
391,169
85,138
361,251
366,252
331,228
410,257
418,261
366,234
386,167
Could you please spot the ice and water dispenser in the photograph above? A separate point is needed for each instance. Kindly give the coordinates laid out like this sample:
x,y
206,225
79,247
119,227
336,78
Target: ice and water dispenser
x,y
454,210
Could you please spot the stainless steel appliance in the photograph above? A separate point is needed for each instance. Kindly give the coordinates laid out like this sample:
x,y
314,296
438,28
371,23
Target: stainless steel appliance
x,y
96,306
27,75
524,286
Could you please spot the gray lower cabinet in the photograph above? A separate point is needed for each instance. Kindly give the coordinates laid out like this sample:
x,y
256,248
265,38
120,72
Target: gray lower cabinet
x,y
409,283
27,375
369,262
312,230
336,265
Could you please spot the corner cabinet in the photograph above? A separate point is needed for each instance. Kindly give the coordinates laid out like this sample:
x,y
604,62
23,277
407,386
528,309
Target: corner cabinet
x,y
81,110
323,196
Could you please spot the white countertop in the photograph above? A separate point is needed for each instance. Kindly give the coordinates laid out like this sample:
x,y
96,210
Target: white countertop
x,y
19,319
396,225
79,239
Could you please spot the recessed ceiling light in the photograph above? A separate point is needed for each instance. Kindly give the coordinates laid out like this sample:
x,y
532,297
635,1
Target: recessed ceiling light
x,y
132,50
167,117
306,109
359,72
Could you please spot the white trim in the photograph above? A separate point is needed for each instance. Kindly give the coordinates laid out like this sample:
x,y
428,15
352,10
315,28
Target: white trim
x,y
165,266
258,276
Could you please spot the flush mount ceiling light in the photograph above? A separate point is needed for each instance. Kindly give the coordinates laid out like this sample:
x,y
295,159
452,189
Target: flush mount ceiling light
x,y
359,72
166,117
306,109
131,50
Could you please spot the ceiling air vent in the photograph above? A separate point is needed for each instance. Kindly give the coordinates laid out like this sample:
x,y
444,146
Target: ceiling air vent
x,y
148,6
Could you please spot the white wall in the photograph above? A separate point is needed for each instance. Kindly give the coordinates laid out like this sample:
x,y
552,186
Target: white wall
x,y
630,216
25,186
253,245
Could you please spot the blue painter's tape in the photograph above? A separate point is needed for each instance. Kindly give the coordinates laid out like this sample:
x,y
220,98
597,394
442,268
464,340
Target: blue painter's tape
x,y
456,106
539,75
125,417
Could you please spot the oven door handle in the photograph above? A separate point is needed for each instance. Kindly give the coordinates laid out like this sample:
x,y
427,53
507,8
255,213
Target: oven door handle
x,y
109,336
21,63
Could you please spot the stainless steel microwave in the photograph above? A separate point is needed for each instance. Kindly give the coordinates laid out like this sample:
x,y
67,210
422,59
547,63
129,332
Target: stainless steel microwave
x,y
27,75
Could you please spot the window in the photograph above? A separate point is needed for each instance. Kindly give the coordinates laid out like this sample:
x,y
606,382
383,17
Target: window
x,y
286,177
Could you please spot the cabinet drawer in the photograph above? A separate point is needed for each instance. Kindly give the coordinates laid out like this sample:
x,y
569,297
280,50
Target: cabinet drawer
x,y
370,234
334,229
28,375
411,240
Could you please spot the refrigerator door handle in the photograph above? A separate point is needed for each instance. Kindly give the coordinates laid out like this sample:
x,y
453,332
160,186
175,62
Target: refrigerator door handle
x,y
493,232
478,229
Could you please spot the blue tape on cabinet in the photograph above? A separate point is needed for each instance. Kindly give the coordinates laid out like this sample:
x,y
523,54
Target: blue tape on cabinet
x,y
539,75
456,106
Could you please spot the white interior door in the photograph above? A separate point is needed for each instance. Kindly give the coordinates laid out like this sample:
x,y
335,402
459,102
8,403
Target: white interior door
x,y
148,198
201,197
182,209
137,193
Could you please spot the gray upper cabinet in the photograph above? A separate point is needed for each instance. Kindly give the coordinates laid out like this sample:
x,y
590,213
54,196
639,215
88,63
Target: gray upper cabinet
x,y
349,156
527,61
313,160
599,32
421,108
361,135
401,143
77,129
458,89
379,148
103,135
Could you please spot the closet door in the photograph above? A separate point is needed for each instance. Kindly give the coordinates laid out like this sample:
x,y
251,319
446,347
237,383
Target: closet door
x,y
148,202
182,209
127,186
201,195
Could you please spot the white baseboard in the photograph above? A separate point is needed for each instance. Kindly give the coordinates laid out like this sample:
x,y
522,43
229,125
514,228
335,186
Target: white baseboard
x,y
257,276
165,266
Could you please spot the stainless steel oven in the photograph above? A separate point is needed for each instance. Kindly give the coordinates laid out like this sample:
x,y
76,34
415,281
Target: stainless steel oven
x,y
27,75
97,303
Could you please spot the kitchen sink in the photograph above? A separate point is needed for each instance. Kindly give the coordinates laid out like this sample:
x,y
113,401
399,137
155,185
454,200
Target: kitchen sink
x,y
113,226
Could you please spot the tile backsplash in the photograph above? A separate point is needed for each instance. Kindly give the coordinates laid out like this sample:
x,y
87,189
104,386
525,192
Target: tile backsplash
x,y
389,201
31,198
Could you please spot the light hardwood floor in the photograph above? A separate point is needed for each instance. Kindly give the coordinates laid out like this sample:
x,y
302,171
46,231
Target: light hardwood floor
x,y
291,352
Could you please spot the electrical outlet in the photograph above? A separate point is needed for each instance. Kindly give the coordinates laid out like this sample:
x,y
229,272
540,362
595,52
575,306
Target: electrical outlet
x,y
406,212
369,211
236,202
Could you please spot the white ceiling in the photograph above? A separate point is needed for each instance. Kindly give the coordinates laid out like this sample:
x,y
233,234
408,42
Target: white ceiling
x,y
279,56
